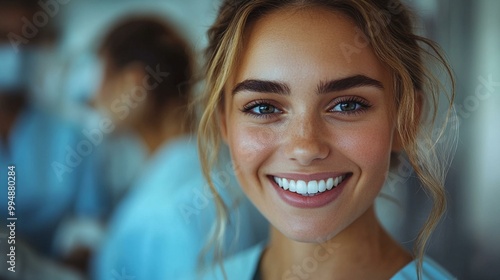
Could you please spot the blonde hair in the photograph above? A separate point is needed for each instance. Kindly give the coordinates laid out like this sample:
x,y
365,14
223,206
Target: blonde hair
x,y
387,27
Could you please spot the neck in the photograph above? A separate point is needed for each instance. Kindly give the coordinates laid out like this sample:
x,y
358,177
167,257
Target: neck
x,y
156,133
361,251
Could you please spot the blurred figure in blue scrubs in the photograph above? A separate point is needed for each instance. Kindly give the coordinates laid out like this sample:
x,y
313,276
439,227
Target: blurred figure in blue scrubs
x,y
55,169
164,221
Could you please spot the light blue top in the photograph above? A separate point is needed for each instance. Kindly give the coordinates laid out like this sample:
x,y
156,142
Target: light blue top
x,y
51,182
163,223
244,267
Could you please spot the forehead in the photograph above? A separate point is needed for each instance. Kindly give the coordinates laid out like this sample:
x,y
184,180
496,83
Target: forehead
x,y
306,43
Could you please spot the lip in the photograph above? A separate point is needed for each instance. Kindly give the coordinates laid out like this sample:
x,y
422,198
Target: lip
x,y
309,177
316,201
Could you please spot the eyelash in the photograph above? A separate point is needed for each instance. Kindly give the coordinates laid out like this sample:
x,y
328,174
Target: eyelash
x,y
364,105
247,109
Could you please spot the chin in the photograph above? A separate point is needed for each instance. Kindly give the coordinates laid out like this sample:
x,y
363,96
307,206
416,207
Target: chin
x,y
307,232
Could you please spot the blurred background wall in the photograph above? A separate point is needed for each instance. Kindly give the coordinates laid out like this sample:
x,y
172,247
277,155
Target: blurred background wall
x,y
467,242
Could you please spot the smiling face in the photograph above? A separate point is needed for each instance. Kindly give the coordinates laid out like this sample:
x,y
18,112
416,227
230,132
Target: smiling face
x,y
310,130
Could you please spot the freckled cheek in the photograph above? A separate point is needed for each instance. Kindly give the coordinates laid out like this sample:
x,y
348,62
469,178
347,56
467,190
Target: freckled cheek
x,y
368,148
250,147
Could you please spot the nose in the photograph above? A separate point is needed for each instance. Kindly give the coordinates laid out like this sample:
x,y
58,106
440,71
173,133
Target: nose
x,y
306,141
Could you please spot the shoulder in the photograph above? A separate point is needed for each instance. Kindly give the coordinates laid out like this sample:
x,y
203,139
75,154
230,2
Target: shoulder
x,y
175,164
430,271
158,195
152,225
241,266
44,125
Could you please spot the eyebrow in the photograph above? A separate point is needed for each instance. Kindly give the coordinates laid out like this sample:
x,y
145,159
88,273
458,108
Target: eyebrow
x,y
348,83
264,86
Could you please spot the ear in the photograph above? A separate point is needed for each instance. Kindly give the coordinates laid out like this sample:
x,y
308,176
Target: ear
x,y
397,143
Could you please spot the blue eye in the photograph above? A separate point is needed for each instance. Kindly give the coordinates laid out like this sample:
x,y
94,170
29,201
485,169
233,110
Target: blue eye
x,y
348,106
261,108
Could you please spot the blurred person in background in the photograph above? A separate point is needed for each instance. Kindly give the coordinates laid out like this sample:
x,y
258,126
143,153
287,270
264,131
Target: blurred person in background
x,y
54,180
160,227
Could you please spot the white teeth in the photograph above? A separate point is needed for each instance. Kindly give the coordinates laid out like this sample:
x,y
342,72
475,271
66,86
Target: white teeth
x,y
312,187
322,186
301,187
329,184
284,184
292,186
309,188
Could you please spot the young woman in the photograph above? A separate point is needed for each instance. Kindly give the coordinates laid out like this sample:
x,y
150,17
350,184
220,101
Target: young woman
x,y
312,98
